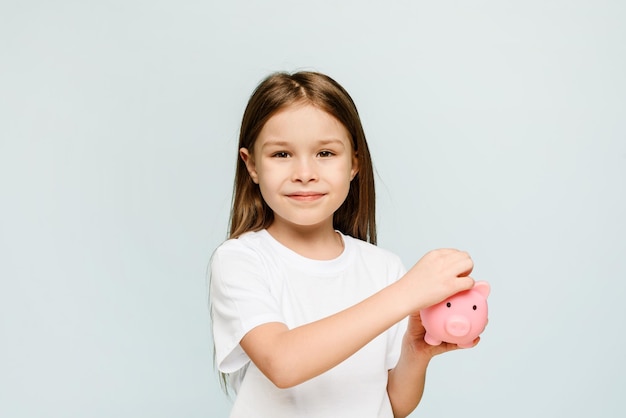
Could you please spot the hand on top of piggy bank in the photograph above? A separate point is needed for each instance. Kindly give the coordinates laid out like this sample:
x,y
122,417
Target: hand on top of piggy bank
x,y
459,319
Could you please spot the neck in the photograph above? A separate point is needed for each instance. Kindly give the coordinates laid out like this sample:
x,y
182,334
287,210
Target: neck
x,y
311,242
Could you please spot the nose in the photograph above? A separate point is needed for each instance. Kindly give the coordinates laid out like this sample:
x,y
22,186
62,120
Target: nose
x,y
458,326
304,170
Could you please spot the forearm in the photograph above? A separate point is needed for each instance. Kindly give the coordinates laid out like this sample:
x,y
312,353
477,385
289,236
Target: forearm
x,y
289,357
406,381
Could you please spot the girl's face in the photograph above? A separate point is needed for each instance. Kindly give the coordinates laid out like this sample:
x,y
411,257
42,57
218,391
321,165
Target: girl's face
x,y
303,162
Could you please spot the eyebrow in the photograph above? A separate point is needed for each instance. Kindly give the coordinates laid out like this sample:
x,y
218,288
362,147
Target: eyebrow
x,y
279,143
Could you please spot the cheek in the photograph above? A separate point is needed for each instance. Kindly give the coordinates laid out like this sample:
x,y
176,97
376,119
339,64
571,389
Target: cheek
x,y
267,173
267,185
347,168
341,177
270,183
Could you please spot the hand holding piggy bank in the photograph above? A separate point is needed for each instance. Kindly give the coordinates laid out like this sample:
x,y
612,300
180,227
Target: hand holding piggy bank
x,y
459,319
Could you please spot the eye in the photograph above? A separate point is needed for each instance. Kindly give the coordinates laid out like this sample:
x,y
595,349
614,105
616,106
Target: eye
x,y
448,304
474,307
325,154
280,154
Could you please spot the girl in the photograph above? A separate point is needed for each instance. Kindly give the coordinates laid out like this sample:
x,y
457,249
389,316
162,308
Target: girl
x,y
307,313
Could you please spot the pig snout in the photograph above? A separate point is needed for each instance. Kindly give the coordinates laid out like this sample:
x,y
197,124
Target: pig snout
x,y
458,326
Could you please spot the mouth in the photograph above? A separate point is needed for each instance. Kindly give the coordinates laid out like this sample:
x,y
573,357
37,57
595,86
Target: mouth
x,y
305,196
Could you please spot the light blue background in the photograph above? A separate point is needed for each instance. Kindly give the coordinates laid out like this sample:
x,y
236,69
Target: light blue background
x,y
498,127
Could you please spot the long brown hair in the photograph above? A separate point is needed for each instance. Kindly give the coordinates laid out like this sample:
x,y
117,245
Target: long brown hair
x,y
357,215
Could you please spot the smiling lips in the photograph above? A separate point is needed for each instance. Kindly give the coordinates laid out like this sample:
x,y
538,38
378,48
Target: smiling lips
x,y
305,196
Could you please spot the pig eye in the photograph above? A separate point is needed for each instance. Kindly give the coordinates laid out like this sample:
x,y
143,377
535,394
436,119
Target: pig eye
x,y
448,304
474,307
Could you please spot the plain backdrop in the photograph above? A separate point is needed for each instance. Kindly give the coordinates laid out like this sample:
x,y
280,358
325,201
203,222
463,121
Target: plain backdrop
x,y
497,127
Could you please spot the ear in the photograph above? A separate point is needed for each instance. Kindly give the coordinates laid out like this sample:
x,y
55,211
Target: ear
x,y
483,288
355,166
248,160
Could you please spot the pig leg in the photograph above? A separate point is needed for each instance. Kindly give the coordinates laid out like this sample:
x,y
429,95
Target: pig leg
x,y
431,340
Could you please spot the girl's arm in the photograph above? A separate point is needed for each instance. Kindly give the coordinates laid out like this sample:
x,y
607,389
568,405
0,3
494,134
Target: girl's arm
x,y
406,381
279,352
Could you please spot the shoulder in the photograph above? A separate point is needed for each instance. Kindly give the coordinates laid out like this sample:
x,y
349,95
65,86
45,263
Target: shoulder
x,y
239,264
242,253
248,243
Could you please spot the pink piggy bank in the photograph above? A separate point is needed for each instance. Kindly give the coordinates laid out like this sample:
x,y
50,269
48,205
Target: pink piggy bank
x,y
459,319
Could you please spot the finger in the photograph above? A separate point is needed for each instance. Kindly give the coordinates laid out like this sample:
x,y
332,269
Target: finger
x,y
464,264
446,347
416,316
463,283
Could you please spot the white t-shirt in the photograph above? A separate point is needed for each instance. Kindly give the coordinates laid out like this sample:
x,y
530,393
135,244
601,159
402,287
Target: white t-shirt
x,y
256,280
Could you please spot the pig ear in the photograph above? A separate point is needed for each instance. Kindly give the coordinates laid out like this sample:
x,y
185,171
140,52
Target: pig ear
x,y
482,287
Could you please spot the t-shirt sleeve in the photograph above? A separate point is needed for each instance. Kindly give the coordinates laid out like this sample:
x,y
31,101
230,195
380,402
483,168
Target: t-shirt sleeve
x,y
395,334
240,299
